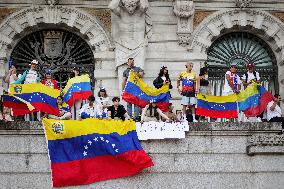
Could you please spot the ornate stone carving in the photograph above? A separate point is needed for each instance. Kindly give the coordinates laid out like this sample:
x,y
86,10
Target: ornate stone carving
x,y
243,3
265,144
52,2
279,15
199,16
131,30
266,140
5,12
30,17
104,15
184,10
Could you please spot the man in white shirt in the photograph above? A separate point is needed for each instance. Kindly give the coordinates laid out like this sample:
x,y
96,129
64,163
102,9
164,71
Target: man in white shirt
x,y
274,113
91,110
32,75
232,81
250,76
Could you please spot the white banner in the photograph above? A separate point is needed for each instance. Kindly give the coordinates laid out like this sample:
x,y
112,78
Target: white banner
x,y
161,130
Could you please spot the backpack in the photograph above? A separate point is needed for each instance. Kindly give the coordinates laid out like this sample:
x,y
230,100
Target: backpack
x,y
254,73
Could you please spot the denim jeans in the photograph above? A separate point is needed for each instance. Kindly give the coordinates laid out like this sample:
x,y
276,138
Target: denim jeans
x,y
136,110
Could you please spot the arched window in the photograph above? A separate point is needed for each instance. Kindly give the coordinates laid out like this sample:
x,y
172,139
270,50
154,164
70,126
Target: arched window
x,y
58,50
241,48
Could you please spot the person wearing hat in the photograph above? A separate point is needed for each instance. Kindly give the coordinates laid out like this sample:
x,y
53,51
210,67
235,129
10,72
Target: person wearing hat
x,y
232,81
29,76
250,76
91,110
48,81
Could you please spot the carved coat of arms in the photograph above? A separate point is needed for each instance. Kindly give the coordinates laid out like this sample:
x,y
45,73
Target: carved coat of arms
x,y
53,44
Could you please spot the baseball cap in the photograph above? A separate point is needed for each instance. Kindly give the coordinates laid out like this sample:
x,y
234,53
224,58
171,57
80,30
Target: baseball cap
x,y
34,62
250,65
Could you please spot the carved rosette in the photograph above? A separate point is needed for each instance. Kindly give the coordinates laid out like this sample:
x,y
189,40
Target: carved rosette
x,y
184,10
243,3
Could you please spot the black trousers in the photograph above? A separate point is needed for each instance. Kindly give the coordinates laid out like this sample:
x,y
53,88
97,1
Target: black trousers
x,y
278,119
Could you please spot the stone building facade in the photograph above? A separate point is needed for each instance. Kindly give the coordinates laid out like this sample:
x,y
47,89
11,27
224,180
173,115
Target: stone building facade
x,y
155,33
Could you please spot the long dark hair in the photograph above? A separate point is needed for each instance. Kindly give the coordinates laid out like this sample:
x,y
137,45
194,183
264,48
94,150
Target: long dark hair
x,y
162,72
152,108
203,71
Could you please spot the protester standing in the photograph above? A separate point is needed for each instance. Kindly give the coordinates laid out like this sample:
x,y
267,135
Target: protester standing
x,y
250,76
48,81
117,111
232,81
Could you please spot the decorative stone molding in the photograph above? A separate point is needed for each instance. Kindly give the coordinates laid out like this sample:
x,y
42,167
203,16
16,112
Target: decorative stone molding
x,y
279,15
5,12
29,17
52,2
265,144
243,3
199,16
184,10
104,15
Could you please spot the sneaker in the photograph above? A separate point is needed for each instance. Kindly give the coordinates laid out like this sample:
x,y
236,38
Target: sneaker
x,y
194,120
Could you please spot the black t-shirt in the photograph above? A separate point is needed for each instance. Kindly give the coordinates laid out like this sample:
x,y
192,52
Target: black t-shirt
x,y
119,112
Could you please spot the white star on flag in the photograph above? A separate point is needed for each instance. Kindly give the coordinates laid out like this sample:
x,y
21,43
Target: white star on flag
x,y
95,139
107,141
113,145
116,150
86,147
85,153
102,138
90,142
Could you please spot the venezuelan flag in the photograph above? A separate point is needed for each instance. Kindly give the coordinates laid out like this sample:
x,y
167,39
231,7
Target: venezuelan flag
x,y
34,97
92,150
254,99
217,106
139,93
78,87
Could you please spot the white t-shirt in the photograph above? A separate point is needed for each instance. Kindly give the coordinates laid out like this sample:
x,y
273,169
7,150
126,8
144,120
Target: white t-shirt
x,y
271,114
103,101
227,89
31,77
92,111
251,76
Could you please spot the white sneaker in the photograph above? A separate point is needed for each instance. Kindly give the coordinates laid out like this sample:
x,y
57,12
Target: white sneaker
x,y
194,120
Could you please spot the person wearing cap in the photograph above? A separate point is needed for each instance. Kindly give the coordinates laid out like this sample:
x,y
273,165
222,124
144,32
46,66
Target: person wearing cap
x,y
140,72
29,76
250,76
48,81
232,81
186,87
152,113
91,110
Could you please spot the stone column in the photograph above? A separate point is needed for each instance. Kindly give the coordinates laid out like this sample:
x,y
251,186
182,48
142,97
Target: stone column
x,y
2,75
130,32
184,10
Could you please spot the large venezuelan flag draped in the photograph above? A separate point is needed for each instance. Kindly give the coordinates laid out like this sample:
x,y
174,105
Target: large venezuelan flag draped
x,y
92,150
217,106
139,93
34,97
78,87
254,99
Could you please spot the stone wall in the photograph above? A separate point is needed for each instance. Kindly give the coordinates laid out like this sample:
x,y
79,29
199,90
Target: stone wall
x,y
217,155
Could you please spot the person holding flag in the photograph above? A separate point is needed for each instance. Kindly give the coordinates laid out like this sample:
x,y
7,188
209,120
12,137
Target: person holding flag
x,y
232,81
91,110
186,87
11,77
250,76
29,76
48,81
